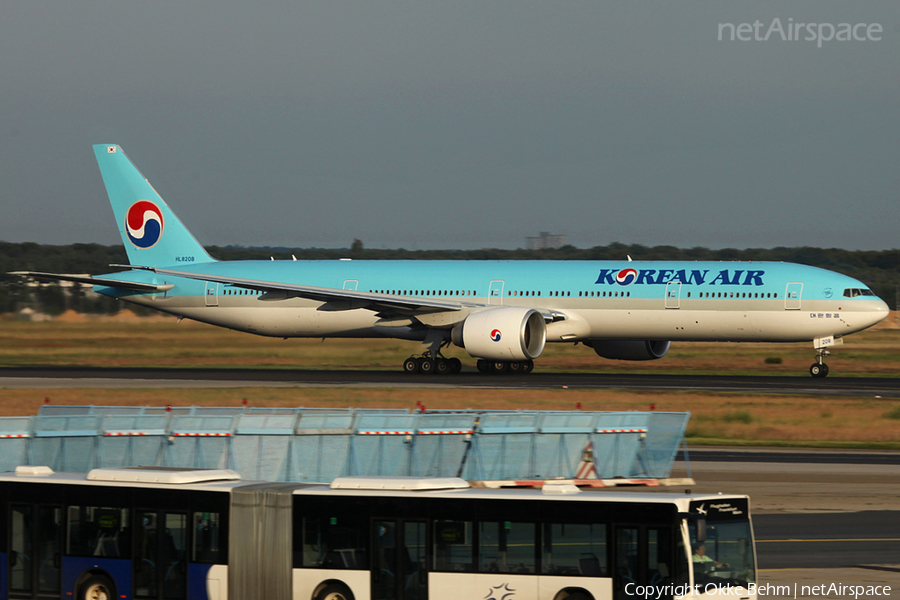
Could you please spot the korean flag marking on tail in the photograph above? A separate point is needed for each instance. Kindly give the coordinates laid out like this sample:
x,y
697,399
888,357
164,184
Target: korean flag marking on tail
x,y
144,224
626,276
495,335
110,149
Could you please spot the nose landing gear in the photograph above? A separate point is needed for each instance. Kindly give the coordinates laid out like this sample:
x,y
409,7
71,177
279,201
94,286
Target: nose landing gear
x,y
819,368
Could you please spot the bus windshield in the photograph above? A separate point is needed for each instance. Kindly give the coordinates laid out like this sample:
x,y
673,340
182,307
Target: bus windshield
x,y
725,558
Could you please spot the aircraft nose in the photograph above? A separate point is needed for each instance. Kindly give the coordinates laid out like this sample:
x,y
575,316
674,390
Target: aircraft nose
x,y
878,310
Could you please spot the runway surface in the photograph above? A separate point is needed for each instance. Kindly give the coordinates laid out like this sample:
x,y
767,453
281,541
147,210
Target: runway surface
x,y
765,455
113,377
827,540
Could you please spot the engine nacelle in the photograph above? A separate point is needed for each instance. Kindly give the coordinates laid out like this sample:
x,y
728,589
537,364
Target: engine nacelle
x,y
507,333
629,349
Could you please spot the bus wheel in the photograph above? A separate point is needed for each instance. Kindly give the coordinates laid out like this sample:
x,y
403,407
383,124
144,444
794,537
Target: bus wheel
x,y
335,591
97,587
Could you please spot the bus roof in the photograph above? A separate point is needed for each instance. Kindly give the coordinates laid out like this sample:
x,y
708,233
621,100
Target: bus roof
x,y
454,488
144,477
222,480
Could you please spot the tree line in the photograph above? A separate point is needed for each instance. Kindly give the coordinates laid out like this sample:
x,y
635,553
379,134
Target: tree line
x,y
880,269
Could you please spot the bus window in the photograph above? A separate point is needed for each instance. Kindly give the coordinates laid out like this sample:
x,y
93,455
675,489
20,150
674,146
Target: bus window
x,y
574,549
627,566
726,557
20,551
334,542
98,531
35,547
160,553
506,547
659,556
453,550
206,538
174,553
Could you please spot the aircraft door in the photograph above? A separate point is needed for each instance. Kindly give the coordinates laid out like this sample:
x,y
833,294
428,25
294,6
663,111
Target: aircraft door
x,y
212,293
495,293
351,284
673,294
792,296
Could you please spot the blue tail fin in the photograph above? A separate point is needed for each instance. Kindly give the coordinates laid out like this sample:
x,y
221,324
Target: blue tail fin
x,y
152,234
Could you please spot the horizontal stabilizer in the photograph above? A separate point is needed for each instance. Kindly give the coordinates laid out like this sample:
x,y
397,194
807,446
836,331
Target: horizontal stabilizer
x,y
129,285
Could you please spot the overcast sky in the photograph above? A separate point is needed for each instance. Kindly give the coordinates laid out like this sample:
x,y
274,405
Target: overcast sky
x,y
458,124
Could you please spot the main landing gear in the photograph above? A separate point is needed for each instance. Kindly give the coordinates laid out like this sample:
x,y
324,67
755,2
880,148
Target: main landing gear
x,y
432,361
504,366
432,364
440,365
819,368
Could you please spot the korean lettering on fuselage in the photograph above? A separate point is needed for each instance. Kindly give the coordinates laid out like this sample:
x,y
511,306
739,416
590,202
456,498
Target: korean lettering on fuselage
x,y
628,276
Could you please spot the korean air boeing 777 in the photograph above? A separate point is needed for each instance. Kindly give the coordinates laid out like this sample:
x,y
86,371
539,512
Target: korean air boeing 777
x,y
502,313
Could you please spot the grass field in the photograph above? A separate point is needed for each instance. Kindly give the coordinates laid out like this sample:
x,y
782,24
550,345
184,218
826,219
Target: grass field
x,y
716,417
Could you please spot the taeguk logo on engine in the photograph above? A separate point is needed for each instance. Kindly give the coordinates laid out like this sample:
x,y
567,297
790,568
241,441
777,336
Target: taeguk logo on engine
x,y
144,224
495,335
626,276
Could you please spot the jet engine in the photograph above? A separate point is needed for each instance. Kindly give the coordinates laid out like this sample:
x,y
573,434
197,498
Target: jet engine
x,y
629,349
508,333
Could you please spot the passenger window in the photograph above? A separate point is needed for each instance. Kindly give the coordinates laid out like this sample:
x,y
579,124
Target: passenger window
x,y
336,542
506,547
207,548
574,549
659,556
453,550
627,568
98,531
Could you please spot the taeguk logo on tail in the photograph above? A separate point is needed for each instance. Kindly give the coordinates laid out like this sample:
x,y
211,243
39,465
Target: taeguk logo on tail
x,y
495,335
144,224
626,276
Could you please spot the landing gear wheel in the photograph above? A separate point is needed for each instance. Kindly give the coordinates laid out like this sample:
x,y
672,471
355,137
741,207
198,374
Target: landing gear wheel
x,y
441,366
498,366
411,365
455,365
483,365
528,366
426,365
818,370
97,587
515,367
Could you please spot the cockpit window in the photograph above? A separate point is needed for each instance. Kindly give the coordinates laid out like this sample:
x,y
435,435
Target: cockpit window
x,y
854,292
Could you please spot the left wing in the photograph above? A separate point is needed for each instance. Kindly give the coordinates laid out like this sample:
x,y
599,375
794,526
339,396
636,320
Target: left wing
x,y
333,298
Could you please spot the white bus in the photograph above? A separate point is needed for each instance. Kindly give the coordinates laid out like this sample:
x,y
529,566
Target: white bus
x,y
175,534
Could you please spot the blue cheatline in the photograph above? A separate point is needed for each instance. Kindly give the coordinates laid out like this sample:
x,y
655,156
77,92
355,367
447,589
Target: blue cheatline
x,y
316,444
